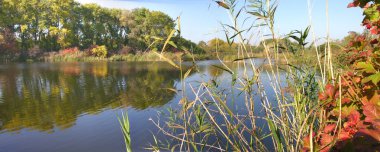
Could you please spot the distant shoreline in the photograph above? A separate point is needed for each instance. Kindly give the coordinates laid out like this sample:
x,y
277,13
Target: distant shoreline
x,y
143,57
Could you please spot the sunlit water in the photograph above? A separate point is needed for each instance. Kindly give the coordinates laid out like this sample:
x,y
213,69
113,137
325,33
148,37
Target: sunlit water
x,y
73,107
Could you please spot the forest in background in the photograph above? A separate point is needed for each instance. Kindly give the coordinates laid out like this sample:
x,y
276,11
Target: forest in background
x,y
31,27
62,29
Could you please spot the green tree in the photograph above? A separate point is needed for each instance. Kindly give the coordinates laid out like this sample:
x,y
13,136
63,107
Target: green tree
x,y
145,26
52,25
222,46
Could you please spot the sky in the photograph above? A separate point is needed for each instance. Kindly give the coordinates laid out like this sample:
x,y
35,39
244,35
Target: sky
x,y
201,19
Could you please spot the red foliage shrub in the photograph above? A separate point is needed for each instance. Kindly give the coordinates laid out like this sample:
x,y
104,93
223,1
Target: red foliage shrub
x,y
352,107
69,51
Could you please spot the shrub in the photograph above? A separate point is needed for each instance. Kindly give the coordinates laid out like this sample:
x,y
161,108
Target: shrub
x,y
8,43
1,39
69,51
352,104
126,50
34,51
99,51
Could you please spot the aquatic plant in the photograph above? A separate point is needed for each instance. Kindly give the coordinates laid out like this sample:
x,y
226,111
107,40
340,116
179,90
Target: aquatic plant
x,y
125,128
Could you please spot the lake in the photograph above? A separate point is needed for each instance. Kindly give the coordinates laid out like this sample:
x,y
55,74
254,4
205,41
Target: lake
x,y
72,107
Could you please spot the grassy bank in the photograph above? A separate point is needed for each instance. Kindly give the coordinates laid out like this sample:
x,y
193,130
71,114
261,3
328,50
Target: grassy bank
x,y
148,56
81,56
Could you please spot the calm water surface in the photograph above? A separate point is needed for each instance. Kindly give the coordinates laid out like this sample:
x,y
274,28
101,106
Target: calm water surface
x,y
73,107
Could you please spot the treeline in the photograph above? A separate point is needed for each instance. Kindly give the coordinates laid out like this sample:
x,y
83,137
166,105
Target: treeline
x,y
34,27
37,26
224,47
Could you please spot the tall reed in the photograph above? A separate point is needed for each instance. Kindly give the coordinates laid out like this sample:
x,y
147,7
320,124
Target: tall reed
x,y
287,108
125,128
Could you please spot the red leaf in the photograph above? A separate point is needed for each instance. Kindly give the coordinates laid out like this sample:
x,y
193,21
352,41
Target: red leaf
x,y
326,139
336,94
357,79
366,22
344,136
352,121
350,73
322,96
372,113
346,100
350,44
366,53
374,41
374,30
360,38
354,117
330,90
368,26
329,128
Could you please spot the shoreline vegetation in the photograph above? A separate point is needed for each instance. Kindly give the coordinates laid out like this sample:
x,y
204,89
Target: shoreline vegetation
x,y
52,30
76,55
56,31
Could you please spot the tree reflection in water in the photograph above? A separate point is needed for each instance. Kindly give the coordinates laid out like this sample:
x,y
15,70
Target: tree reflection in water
x,y
46,96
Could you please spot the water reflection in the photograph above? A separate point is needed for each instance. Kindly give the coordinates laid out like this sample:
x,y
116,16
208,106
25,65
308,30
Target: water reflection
x,y
74,106
46,96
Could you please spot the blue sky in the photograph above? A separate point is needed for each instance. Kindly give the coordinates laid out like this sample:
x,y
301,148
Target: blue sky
x,y
200,19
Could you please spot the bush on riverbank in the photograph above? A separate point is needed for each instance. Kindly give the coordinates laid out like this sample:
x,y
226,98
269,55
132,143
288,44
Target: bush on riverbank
x,y
351,114
81,56
99,51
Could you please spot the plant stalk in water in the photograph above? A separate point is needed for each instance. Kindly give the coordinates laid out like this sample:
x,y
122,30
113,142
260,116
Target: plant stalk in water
x,y
125,128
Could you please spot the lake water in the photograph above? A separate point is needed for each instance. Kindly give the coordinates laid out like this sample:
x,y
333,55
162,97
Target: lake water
x,y
73,107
